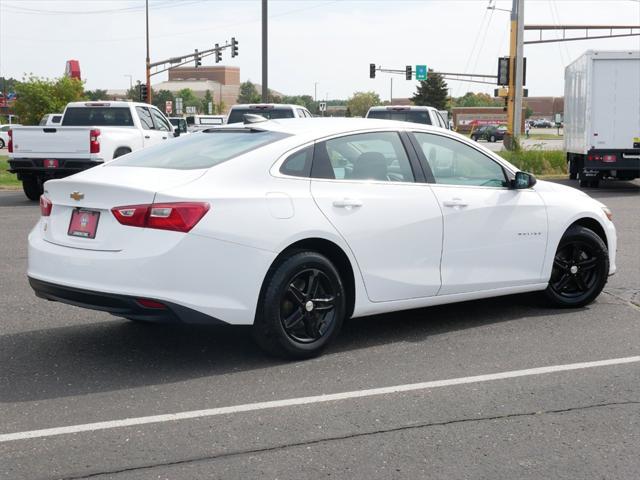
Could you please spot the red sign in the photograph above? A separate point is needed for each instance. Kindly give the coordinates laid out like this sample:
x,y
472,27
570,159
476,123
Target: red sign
x,y
50,163
84,223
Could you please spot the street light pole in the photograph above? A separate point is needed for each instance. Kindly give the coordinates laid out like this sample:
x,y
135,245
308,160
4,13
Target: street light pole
x,y
265,87
148,58
130,80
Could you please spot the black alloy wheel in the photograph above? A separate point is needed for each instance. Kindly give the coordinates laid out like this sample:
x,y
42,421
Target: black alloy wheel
x,y
580,268
302,306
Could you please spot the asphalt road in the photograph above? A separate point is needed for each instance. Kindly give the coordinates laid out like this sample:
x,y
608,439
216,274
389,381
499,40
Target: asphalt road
x,y
62,366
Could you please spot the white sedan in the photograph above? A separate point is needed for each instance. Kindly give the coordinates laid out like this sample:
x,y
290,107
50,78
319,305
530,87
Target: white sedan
x,y
295,225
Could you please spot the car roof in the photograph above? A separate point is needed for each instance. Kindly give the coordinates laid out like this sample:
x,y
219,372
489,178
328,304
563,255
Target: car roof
x,y
326,126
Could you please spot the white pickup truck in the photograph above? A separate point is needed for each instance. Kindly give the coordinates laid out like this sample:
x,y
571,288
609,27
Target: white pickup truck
x,y
91,133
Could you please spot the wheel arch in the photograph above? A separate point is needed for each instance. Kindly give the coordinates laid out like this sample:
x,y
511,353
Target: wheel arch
x,y
592,224
122,150
334,253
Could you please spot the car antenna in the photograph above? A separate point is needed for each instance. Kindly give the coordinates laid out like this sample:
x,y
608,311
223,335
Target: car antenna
x,y
253,118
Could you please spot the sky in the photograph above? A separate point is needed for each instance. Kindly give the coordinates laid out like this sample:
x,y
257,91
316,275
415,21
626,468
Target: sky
x,y
322,46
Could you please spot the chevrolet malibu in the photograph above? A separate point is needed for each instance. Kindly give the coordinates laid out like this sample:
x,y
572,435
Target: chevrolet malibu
x,y
295,225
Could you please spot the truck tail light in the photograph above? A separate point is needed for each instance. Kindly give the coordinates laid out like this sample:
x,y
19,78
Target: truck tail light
x,y
178,217
609,158
10,144
594,158
94,140
45,206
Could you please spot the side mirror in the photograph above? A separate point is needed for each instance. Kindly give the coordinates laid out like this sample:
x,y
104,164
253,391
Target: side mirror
x,y
176,131
523,180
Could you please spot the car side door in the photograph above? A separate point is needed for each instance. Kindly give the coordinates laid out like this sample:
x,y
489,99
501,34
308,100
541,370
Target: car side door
x,y
161,124
371,189
494,236
150,136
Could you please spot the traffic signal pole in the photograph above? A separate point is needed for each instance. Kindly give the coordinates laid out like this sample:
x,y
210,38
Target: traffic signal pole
x,y
516,68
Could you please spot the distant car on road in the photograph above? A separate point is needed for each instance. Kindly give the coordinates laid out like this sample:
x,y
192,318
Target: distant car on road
x,y
295,225
268,111
407,113
4,134
490,133
51,119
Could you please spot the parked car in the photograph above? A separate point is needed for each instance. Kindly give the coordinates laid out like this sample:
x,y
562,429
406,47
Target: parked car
x,y
4,134
295,225
179,124
267,110
478,132
414,114
51,119
90,133
196,123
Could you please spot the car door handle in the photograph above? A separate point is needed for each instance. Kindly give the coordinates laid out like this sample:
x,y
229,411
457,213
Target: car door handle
x,y
347,203
455,202
147,137
164,138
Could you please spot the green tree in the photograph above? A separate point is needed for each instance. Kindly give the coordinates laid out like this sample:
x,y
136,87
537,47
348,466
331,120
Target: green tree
x,y
471,99
431,92
160,99
361,102
248,93
96,94
528,112
39,96
205,103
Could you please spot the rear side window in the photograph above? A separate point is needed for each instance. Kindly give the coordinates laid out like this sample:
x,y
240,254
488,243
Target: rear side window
x,y
298,164
237,114
98,116
199,151
414,116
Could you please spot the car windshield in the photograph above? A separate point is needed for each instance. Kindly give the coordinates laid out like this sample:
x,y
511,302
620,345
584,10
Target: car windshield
x,y
236,114
203,150
98,116
414,116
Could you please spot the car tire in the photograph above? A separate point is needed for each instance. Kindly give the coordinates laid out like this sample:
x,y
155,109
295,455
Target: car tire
x,y
492,138
301,308
1,143
32,188
580,269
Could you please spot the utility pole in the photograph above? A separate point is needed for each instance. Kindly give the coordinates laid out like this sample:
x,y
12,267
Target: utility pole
x,y
265,87
148,58
516,64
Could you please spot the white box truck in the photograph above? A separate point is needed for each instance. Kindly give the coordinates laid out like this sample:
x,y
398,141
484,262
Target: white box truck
x,y
602,116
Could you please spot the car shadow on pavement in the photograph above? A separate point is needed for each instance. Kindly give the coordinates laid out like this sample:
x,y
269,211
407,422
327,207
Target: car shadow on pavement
x,y
115,355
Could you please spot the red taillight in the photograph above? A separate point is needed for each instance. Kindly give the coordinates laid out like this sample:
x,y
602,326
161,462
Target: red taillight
x,y
147,303
609,158
94,141
45,206
10,144
179,216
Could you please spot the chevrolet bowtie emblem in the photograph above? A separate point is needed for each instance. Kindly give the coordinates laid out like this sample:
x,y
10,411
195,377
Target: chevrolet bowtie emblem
x,y
77,196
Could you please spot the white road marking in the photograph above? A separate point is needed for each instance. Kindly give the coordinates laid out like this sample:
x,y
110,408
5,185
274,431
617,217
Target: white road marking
x,y
251,407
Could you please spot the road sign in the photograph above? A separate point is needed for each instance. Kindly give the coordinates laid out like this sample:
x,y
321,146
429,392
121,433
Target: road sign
x,y
190,109
322,106
179,106
168,107
210,108
421,72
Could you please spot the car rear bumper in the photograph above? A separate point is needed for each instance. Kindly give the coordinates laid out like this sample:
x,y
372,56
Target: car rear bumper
x,y
120,305
220,280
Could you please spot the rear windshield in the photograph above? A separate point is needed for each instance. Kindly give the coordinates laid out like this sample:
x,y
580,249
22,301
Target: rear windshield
x,y
200,150
236,114
99,116
414,116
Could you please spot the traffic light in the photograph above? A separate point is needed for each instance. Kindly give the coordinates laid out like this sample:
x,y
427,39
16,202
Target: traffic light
x,y
218,53
143,92
408,72
503,70
197,59
372,70
234,47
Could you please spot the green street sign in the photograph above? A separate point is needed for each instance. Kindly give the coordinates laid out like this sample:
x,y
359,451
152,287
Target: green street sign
x,y
421,72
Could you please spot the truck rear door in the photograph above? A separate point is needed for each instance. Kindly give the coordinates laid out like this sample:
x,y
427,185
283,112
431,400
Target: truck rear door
x,y
28,141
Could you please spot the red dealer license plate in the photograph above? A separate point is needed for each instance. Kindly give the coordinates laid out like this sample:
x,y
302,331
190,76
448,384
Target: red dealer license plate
x,y
84,223
51,163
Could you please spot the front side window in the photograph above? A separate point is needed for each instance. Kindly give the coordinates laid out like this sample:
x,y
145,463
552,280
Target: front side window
x,y
199,151
367,156
159,121
454,163
145,118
